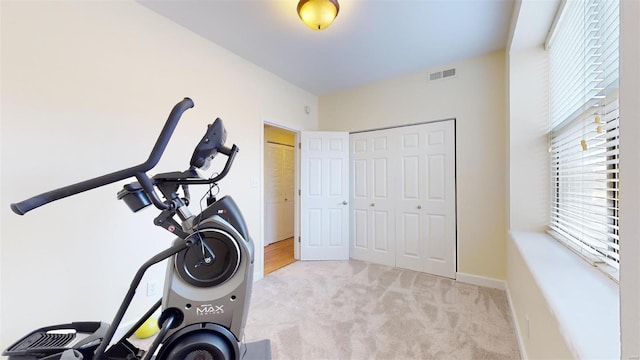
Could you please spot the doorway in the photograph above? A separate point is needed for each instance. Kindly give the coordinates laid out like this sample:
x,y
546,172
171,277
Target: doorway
x,y
279,197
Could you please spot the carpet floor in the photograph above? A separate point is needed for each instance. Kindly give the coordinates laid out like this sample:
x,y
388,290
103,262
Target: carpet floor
x,y
356,310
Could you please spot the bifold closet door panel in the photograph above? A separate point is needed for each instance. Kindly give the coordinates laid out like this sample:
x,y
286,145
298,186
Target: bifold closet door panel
x,y
272,192
426,230
288,192
440,200
373,214
279,192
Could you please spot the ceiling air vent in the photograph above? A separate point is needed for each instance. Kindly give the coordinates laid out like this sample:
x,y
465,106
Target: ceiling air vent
x,y
448,73
442,74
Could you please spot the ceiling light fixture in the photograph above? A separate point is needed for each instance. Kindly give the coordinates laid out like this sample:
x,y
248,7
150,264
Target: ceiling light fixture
x,y
318,14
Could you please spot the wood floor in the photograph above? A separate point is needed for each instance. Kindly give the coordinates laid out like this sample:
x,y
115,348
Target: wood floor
x,y
278,255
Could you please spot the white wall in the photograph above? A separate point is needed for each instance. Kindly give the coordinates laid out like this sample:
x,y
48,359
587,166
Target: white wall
x,y
86,88
529,169
529,197
629,179
476,98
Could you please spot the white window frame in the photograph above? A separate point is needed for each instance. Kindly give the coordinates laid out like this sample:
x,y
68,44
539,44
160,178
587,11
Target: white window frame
x,y
584,131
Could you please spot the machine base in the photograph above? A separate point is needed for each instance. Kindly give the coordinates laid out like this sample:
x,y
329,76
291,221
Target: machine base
x,y
258,350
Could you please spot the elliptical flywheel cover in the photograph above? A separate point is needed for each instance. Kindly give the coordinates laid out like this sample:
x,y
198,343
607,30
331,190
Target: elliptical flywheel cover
x,y
211,261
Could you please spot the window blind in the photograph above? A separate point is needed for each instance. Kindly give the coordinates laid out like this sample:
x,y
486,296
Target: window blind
x,y
583,78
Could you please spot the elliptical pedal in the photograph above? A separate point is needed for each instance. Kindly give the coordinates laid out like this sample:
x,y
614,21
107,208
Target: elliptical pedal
x,y
83,337
44,340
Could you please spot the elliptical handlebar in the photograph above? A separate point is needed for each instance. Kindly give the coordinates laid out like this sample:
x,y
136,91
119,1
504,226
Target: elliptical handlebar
x,y
231,154
139,171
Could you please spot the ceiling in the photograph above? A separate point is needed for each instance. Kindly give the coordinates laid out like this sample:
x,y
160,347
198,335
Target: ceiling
x,y
369,41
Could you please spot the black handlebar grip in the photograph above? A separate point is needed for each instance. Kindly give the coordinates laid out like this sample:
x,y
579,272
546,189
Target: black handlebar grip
x,y
166,133
23,207
224,150
27,205
16,209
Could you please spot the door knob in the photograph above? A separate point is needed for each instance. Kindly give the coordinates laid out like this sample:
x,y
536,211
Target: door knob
x,y
285,199
344,203
372,204
419,207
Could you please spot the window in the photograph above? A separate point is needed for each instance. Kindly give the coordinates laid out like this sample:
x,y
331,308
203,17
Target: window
x,y
583,78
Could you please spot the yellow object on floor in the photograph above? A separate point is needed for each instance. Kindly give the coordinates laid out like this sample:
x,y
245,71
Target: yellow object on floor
x,y
147,329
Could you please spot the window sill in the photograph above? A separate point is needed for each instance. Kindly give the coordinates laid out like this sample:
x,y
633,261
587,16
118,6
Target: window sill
x,y
584,301
587,256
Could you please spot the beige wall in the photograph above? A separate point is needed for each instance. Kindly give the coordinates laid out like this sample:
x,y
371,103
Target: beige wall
x,y
529,167
629,179
476,98
538,326
86,88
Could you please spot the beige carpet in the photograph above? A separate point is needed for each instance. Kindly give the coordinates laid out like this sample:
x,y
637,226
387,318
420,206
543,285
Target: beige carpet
x,y
355,310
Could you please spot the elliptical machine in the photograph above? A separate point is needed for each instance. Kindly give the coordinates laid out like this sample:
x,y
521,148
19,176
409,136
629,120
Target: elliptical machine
x,y
209,272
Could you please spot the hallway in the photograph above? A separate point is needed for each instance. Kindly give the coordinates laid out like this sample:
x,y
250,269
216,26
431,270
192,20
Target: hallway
x,y
278,255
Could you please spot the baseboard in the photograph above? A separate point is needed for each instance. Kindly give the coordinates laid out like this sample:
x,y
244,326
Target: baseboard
x,y
481,281
257,275
523,351
121,330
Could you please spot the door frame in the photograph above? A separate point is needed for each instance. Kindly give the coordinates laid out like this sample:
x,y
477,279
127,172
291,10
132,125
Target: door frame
x,y
296,204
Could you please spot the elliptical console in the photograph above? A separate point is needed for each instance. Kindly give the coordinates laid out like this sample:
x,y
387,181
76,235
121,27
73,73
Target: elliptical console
x,y
210,265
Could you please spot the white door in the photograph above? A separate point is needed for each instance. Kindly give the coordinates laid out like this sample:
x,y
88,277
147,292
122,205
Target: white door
x,y
324,183
426,222
373,214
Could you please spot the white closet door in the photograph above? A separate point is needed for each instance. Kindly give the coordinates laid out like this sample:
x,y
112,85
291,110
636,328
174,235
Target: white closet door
x,y
372,218
272,195
279,192
288,192
426,223
411,242
403,197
